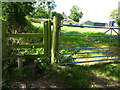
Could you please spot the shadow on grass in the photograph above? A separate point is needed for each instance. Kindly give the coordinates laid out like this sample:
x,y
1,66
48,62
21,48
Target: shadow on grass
x,y
84,76
102,75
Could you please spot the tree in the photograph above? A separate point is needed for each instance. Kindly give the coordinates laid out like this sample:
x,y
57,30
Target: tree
x,y
14,13
76,13
115,15
0,10
44,8
40,12
49,5
58,15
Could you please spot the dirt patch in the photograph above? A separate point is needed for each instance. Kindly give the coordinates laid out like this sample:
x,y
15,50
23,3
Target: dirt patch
x,y
40,82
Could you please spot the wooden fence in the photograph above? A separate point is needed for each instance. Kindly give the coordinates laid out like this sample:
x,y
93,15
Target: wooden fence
x,y
46,45
51,42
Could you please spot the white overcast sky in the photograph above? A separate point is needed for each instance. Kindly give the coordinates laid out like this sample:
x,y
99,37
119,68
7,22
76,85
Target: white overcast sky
x,y
94,10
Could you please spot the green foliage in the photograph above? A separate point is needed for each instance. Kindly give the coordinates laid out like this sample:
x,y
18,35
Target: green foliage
x,y
118,21
115,15
58,15
7,72
24,72
44,9
42,62
111,70
14,13
72,77
49,5
41,13
76,13
0,10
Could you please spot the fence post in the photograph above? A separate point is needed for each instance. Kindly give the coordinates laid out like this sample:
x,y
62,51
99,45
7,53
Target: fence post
x,y
49,40
4,41
55,39
1,54
45,39
20,63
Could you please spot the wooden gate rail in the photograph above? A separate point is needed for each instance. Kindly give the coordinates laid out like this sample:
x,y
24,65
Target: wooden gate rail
x,y
46,42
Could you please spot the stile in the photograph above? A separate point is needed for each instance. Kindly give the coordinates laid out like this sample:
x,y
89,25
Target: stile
x,y
30,35
26,46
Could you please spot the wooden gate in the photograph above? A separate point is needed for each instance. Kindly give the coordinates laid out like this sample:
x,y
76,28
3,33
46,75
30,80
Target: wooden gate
x,y
45,45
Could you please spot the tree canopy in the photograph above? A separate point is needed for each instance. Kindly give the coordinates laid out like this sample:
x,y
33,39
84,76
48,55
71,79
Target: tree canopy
x,y
115,15
14,13
44,8
76,13
41,13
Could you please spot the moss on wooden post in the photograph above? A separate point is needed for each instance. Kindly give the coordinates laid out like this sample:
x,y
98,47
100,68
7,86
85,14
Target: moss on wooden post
x,y
55,39
47,39
4,41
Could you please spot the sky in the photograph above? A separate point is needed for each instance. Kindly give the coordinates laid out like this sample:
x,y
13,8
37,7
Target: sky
x,y
94,10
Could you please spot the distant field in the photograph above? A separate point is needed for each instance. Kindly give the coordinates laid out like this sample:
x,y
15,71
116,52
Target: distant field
x,y
84,30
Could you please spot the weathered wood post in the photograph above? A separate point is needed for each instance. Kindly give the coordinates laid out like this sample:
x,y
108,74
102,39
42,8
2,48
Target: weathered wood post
x,y
20,63
0,40
49,39
45,39
0,55
4,41
55,40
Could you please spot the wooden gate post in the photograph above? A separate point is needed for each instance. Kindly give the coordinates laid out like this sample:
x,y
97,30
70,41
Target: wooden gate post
x,y
47,39
0,54
20,62
55,40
